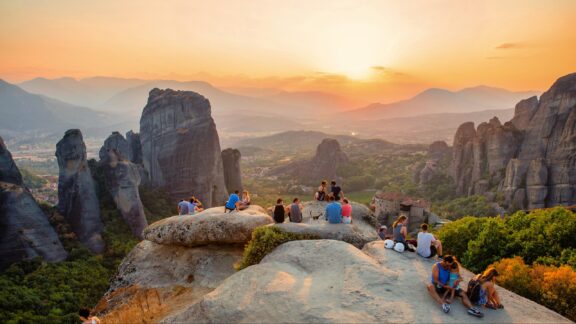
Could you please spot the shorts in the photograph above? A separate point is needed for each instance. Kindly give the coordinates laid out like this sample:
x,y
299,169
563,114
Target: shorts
x,y
346,220
433,252
442,290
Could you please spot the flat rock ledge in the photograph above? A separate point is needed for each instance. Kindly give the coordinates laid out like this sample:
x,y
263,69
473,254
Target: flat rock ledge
x,y
348,233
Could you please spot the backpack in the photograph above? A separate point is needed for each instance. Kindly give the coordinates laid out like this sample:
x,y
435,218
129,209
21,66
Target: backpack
x,y
473,291
321,195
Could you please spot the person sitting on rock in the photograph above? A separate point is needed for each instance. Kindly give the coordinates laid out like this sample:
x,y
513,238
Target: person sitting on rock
x,y
295,211
232,203
245,203
192,205
400,232
279,211
320,195
439,285
183,207
336,191
383,233
333,212
199,207
84,314
482,291
346,211
453,283
428,245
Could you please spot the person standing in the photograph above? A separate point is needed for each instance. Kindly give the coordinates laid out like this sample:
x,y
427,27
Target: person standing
x,y
279,211
336,191
428,246
333,212
346,211
232,203
295,212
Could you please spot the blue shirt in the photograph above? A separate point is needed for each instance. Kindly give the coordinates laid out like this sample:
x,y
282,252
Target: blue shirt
x,y
231,204
183,206
192,208
443,275
334,213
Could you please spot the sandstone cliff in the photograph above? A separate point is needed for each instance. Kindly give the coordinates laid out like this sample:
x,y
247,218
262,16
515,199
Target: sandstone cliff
x,y
122,179
77,200
531,159
25,232
232,173
180,146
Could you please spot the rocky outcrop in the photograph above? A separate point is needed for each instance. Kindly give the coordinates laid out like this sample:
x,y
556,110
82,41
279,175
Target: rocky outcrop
x,y
77,200
211,226
438,156
331,282
133,140
232,173
324,165
180,146
25,231
531,158
122,179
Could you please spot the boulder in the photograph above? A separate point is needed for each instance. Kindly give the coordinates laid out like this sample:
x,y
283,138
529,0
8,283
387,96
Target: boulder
x,y
232,174
77,200
211,226
25,231
180,146
349,233
332,281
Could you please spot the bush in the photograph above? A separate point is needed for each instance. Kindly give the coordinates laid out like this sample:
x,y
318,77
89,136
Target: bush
x,y
489,245
264,240
466,206
455,236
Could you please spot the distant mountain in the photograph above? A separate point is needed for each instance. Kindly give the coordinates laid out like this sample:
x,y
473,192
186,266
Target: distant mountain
x,y
433,101
317,101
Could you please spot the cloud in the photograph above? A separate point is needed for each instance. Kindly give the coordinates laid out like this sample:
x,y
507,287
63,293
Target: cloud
x,y
508,46
378,69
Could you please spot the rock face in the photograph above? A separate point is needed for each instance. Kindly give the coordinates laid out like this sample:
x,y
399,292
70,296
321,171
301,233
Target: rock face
x,y
438,153
232,173
324,165
211,226
77,200
531,159
122,180
180,146
25,232
133,140
331,281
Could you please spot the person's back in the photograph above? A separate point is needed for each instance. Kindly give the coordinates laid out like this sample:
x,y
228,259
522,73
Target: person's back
x,y
398,236
295,213
231,204
191,207
334,212
279,213
183,208
424,243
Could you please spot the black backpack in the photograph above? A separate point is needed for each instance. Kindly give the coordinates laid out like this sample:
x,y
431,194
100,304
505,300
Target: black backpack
x,y
473,291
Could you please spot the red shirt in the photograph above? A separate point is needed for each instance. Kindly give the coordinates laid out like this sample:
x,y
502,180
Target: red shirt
x,y
346,210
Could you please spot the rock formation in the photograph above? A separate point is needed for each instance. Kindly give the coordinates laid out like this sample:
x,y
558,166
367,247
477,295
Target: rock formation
x,y
133,140
25,231
531,159
180,146
122,179
324,165
77,200
232,173
438,156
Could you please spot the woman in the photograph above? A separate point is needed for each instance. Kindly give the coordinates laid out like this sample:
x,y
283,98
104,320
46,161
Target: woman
x,y
487,294
245,203
400,232
320,195
279,211
346,212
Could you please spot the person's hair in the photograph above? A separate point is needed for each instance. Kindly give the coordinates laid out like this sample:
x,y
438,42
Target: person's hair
x,y
400,219
236,191
323,182
84,312
489,274
455,266
382,228
424,227
333,182
345,200
449,258
192,199
279,200
295,199
331,198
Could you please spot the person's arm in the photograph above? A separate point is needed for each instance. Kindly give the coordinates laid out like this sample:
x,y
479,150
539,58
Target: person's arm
x,y
404,231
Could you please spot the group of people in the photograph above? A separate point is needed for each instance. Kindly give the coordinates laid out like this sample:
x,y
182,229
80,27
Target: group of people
x,y
335,212
235,202
190,206
322,194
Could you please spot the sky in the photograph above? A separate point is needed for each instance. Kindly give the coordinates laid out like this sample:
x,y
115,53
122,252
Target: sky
x,y
370,50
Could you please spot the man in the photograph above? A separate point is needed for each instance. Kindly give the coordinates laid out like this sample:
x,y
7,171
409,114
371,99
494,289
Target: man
x,y
192,206
336,191
232,203
295,211
428,245
183,207
333,212
439,285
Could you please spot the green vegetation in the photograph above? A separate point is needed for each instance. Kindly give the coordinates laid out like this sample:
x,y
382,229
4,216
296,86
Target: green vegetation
x,y
464,206
31,180
535,253
264,240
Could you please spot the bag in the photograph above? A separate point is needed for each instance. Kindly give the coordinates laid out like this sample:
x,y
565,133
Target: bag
x,y
321,195
473,291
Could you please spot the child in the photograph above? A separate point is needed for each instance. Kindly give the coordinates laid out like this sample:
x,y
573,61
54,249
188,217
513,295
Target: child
x,y
453,283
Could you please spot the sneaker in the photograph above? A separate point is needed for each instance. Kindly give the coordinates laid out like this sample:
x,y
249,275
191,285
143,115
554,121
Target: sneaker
x,y
475,312
445,308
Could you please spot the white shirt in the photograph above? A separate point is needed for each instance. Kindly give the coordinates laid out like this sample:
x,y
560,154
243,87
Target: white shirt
x,y
424,242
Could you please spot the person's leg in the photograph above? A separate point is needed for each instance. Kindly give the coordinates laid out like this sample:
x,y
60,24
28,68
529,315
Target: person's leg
x,y
452,292
465,299
492,294
434,294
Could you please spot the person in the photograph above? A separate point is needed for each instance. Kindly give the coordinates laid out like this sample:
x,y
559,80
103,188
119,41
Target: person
x,y
439,284
383,233
199,207
481,290
245,203
295,211
453,283
192,206
84,314
183,207
346,211
232,203
279,211
320,195
400,232
333,212
336,191
428,246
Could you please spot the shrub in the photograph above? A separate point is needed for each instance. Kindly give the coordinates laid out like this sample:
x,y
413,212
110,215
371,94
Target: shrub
x,y
264,240
488,246
456,235
466,206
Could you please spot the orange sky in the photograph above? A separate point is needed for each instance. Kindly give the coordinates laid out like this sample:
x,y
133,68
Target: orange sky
x,y
375,50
